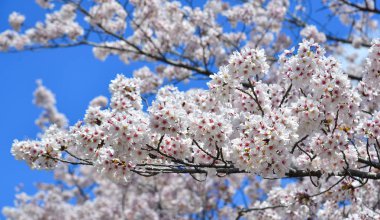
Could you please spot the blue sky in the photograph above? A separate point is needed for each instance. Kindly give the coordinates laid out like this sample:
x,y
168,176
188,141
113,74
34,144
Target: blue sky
x,y
73,74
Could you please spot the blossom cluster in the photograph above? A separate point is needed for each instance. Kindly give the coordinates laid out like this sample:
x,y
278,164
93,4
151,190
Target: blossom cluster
x,y
108,14
298,117
45,99
368,86
311,32
181,197
42,154
265,143
314,123
172,32
356,16
16,20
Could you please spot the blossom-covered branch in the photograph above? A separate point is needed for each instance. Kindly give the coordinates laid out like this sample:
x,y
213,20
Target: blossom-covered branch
x,y
263,117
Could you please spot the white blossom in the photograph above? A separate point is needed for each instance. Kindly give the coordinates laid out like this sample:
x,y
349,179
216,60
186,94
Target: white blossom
x,y
16,20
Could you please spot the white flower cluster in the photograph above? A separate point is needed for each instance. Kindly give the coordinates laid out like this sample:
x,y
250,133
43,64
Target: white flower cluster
x,y
11,38
149,81
371,128
310,120
307,63
311,32
368,87
176,195
222,85
199,99
334,152
245,103
108,14
173,73
45,4
158,29
42,154
167,115
16,20
210,132
125,93
248,64
265,143
177,146
309,113
100,101
59,24
300,117
45,99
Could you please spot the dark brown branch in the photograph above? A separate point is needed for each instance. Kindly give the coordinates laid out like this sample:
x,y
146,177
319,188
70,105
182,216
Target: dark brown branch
x,y
207,153
328,189
336,122
76,157
144,53
243,211
66,161
296,21
286,95
251,86
361,8
298,142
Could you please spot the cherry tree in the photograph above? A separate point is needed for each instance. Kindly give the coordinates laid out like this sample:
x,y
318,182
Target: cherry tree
x,y
271,112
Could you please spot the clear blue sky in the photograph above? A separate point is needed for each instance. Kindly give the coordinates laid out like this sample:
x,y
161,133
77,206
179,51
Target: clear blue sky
x,y
74,75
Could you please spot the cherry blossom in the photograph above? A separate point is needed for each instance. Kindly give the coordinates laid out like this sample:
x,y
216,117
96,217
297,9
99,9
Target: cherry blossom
x,y
16,20
274,107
